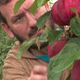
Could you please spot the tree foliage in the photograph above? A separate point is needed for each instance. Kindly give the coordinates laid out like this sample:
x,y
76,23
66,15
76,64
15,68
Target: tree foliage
x,y
70,52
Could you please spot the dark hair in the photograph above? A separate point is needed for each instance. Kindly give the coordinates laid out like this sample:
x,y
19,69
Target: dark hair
x,y
4,2
2,19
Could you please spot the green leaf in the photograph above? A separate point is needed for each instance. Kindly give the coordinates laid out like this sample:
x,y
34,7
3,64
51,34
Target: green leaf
x,y
51,74
18,5
53,35
41,21
25,46
66,57
41,2
74,10
75,26
43,37
36,5
54,76
33,8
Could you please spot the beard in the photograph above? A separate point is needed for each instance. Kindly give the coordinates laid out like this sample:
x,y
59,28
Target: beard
x,y
34,46
33,33
21,40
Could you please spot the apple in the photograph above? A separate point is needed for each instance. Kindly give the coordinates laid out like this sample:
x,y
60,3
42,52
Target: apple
x,y
62,11
75,73
55,48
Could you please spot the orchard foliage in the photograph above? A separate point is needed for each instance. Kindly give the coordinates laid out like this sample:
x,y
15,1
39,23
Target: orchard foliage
x,y
71,50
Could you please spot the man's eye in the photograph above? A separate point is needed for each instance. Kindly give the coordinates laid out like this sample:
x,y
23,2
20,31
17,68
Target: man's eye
x,y
19,18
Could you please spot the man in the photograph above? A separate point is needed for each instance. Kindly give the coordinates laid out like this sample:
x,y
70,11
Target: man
x,y
23,26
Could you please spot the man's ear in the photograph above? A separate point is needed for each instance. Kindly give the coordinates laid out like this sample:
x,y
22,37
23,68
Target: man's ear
x,y
7,30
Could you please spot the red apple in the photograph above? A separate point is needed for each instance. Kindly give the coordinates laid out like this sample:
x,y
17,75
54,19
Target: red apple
x,y
75,74
62,11
56,47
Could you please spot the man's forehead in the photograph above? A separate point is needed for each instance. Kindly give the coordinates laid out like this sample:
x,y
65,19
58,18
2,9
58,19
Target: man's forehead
x,y
9,7
11,4
26,4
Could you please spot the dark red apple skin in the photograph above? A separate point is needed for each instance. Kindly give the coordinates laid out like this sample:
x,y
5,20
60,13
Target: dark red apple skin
x,y
62,11
56,47
75,74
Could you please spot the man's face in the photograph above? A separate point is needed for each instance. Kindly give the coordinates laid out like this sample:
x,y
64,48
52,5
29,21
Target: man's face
x,y
23,23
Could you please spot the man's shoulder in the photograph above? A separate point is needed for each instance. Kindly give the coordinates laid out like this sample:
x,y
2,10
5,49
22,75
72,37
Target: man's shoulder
x,y
13,51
